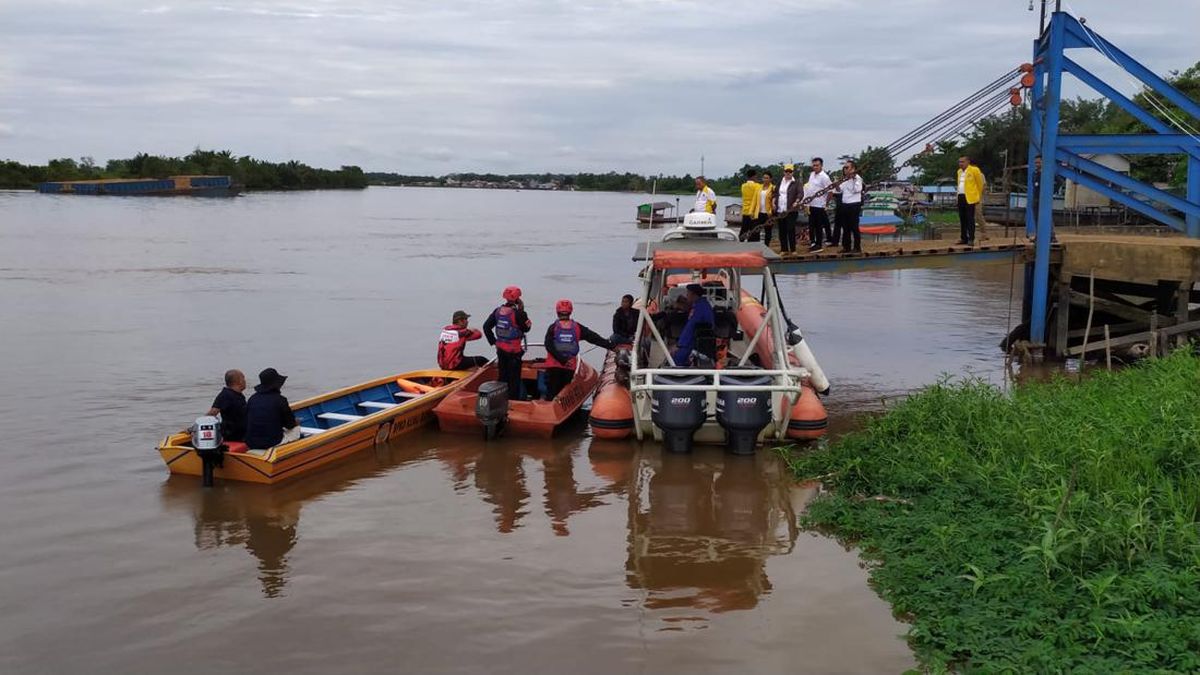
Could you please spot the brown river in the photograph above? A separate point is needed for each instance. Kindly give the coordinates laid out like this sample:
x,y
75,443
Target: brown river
x,y
436,554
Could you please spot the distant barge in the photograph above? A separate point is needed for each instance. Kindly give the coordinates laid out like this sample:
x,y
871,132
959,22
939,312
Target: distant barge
x,y
197,186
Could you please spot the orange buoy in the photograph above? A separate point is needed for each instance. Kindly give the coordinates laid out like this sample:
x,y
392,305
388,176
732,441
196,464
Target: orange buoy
x,y
414,387
1027,80
809,420
612,407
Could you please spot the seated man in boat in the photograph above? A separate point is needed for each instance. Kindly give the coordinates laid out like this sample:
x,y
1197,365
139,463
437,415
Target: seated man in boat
x,y
701,315
269,418
230,404
562,348
453,342
625,321
506,329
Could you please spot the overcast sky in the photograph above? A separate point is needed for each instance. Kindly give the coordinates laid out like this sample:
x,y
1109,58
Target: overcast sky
x,y
518,85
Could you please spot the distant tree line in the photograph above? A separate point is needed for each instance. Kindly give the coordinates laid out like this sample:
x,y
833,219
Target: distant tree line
x,y
251,173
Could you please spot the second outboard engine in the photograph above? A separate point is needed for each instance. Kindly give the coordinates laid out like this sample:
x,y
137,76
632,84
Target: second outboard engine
x,y
744,414
206,439
679,413
491,408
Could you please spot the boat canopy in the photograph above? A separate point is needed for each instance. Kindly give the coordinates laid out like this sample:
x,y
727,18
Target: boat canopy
x,y
704,253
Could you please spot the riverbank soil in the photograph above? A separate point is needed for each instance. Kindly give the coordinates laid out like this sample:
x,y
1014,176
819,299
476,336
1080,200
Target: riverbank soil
x,y
1048,529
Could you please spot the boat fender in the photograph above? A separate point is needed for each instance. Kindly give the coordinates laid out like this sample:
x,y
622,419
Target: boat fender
x,y
413,387
808,421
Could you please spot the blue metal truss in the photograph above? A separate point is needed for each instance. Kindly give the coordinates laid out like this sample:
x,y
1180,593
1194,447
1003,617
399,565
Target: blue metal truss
x,y
1061,151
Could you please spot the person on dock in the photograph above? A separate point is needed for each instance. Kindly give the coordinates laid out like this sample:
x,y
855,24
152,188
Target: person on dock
x,y
453,342
505,329
818,219
849,209
970,192
562,347
751,192
706,199
230,404
787,207
766,208
624,323
269,417
700,316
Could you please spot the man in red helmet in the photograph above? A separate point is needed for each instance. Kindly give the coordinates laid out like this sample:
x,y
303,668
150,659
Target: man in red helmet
x,y
506,329
562,348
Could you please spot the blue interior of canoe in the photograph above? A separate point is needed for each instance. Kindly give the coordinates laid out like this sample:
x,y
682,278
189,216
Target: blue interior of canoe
x,y
349,408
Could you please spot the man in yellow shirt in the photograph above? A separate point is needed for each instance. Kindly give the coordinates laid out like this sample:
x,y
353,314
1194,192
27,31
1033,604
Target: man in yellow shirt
x,y
970,193
706,199
751,196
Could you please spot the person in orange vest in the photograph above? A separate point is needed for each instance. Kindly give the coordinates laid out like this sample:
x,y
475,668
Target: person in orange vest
x,y
506,329
562,348
453,342
970,192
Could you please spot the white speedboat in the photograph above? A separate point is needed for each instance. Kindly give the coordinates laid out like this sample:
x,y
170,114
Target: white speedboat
x,y
751,378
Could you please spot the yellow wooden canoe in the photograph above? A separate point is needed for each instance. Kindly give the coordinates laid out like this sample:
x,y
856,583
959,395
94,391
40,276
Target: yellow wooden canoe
x,y
333,426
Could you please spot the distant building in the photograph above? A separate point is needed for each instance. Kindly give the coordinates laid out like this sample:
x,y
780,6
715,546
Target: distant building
x,y
1077,196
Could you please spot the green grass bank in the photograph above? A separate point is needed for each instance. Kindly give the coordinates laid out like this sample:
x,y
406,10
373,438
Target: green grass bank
x,y
1046,529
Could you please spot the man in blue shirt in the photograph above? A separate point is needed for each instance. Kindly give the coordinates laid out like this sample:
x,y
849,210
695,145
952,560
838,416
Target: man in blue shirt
x,y
701,314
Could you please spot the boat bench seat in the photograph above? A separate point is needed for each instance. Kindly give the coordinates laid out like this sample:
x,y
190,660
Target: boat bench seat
x,y
340,417
377,405
407,394
310,431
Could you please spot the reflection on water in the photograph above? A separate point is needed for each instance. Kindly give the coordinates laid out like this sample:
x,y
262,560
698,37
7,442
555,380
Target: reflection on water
x,y
701,527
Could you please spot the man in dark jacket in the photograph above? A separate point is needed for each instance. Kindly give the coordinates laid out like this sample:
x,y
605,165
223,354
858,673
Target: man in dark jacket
x,y
506,328
268,413
625,321
562,348
230,404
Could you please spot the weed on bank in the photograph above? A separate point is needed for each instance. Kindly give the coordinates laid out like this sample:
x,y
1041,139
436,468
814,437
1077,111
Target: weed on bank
x,y
1046,529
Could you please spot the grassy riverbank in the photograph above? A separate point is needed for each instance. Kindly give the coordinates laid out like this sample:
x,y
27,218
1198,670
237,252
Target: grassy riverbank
x,y
1051,529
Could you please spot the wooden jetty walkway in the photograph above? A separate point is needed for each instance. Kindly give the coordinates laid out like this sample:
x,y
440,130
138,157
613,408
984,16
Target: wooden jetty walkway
x,y
1131,288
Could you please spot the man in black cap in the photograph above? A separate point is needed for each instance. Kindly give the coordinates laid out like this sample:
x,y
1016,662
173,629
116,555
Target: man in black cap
x,y
268,413
453,342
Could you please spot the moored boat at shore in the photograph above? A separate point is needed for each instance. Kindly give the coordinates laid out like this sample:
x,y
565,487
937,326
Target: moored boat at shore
x,y
194,186
332,426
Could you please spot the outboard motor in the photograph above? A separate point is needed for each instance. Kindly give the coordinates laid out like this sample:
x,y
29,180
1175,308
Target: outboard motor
x,y
491,408
206,439
679,413
744,414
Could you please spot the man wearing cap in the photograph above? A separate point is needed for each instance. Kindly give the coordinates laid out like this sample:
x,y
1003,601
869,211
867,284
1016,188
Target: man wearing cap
x,y
787,206
268,414
453,342
701,314
562,347
506,328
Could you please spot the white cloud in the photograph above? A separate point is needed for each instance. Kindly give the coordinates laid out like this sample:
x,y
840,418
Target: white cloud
x,y
642,85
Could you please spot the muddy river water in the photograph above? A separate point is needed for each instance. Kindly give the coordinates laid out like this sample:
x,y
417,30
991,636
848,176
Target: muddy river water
x,y
437,553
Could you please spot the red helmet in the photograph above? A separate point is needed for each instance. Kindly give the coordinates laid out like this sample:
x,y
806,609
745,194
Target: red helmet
x,y
564,306
512,293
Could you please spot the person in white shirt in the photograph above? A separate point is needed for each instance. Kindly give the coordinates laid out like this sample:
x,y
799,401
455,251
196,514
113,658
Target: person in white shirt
x,y
849,208
818,219
787,206
706,199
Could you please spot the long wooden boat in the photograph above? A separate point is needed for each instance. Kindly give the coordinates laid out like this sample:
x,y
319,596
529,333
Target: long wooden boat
x,y
332,426
456,413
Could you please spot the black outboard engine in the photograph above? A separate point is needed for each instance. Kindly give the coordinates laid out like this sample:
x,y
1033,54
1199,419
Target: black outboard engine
x,y
679,413
491,408
209,446
744,414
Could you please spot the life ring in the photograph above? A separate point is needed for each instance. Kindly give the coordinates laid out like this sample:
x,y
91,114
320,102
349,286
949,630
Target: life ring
x,y
383,432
